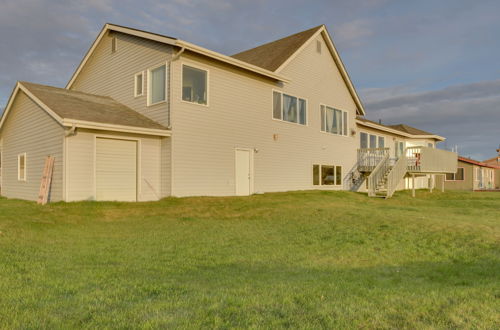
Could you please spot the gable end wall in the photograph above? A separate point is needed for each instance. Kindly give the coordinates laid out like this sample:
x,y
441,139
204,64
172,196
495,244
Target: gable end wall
x,y
29,129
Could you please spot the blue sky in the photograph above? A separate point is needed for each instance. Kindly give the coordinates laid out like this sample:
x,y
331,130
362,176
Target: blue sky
x,y
430,64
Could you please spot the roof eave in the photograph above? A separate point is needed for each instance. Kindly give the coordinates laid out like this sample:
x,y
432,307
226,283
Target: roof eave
x,y
173,42
67,122
230,60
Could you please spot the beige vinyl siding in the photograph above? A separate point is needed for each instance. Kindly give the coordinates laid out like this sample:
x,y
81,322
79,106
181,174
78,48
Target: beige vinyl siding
x,y
466,184
80,157
29,129
113,74
239,115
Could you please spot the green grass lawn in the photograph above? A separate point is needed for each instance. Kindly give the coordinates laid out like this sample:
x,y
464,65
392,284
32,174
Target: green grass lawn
x,y
285,260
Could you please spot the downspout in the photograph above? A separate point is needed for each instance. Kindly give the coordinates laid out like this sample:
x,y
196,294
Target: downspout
x,y
174,58
71,131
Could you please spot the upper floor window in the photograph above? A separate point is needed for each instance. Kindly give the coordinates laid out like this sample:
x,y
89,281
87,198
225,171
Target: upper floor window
x,y
194,85
399,148
289,108
333,121
21,167
371,141
157,84
139,84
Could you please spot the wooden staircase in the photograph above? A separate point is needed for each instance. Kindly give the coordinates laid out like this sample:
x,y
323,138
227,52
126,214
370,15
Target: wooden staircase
x,y
385,178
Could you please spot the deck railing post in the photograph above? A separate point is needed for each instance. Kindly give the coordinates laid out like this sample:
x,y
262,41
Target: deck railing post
x,y
413,185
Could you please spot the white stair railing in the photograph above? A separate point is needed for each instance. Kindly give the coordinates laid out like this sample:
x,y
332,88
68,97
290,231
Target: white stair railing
x,y
377,175
396,174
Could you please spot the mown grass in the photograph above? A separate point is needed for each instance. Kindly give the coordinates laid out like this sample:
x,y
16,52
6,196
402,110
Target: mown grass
x,y
286,260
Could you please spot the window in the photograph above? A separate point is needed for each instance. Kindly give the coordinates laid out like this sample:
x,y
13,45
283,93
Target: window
x,y
194,85
289,108
316,175
327,175
114,43
139,84
363,143
373,141
399,148
333,120
459,176
21,167
381,142
430,145
157,79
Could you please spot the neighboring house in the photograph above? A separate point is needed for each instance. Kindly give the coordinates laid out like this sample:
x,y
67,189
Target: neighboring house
x,y
147,116
471,175
495,162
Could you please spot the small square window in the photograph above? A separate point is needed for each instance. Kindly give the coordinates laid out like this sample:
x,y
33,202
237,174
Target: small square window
x,y
139,84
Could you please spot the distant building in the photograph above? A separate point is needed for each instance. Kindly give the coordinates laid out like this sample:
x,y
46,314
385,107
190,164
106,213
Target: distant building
x,y
472,175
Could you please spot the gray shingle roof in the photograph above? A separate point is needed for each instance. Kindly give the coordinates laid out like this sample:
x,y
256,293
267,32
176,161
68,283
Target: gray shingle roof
x,y
69,104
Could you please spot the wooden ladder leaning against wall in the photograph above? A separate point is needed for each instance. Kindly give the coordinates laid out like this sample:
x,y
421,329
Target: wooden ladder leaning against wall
x,y
43,195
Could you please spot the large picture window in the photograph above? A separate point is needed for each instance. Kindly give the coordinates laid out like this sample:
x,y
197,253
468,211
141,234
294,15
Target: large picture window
x,y
327,175
194,85
157,84
333,121
289,108
458,176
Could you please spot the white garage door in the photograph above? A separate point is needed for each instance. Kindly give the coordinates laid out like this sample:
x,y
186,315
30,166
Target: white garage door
x,y
116,170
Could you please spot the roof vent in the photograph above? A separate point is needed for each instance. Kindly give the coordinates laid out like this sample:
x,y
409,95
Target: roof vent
x,y
318,46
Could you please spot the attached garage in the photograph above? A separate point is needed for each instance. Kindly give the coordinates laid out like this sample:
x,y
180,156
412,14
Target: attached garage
x,y
103,150
116,170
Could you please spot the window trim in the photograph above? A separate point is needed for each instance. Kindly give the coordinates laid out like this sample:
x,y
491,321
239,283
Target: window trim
x,y
454,176
19,167
135,84
148,103
195,66
321,164
342,128
286,121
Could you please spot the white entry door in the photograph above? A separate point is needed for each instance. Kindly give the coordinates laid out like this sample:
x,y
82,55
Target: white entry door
x,y
116,170
243,172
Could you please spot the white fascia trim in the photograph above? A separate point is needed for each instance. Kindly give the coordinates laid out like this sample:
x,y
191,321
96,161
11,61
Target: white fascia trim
x,y
9,104
395,131
231,60
337,60
116,128
19,86
173,42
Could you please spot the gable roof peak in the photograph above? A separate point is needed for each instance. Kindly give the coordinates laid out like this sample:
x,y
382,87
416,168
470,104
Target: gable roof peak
x,y
272,55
